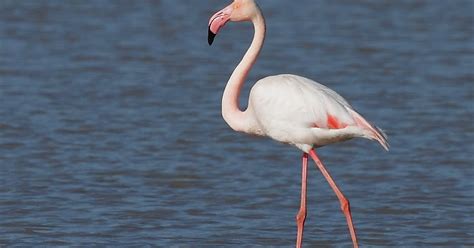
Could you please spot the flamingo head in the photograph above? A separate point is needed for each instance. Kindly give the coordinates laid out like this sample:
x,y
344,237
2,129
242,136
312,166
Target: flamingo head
x,y
237,11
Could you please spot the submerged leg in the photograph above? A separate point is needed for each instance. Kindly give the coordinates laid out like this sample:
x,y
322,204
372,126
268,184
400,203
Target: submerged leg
x,y
301,216
342,199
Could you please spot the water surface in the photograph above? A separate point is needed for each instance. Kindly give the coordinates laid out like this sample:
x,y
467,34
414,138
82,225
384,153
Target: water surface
x,y
111,133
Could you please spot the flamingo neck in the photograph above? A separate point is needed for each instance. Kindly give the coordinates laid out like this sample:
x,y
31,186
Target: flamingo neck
x,y
235,118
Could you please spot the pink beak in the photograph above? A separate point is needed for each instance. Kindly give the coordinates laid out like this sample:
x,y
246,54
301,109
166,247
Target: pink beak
x,y
217,21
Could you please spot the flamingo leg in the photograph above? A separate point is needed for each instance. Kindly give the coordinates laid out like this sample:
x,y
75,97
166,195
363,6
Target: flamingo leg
x,y
301,216
345,206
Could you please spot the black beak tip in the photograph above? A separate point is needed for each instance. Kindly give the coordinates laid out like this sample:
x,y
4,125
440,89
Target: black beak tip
x,y
210,37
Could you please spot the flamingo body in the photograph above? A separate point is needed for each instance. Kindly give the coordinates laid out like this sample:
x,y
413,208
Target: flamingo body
x,y
299,111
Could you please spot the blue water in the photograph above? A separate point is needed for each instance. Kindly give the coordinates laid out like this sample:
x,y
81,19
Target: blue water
x,y
111,133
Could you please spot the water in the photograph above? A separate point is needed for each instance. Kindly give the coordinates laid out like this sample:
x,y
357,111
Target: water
x,y
111,134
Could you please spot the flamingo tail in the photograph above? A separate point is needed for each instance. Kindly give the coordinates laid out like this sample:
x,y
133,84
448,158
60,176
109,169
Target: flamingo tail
x,y
376,133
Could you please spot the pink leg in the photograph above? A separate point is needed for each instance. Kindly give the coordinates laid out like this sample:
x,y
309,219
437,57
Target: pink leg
x,y
301,216
342,199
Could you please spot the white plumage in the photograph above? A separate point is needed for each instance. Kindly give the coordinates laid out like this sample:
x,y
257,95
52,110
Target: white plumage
x,y
296,110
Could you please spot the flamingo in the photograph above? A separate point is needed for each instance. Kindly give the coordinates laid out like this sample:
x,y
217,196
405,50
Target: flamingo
x,y
290,109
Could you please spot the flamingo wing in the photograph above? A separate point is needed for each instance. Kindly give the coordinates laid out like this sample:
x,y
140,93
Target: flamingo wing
x,y
291,108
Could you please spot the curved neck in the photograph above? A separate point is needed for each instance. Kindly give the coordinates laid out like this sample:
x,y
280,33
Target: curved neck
x,y
237,119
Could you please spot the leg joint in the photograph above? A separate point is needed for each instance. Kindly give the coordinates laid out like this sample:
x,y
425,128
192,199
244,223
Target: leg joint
x,y
301,216
345,205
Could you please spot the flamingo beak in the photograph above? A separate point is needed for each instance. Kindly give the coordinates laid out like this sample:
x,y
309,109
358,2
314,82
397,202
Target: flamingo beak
x,y
217,21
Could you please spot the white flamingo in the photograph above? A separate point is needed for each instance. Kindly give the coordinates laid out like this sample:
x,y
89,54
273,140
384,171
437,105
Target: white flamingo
x,y
289,108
